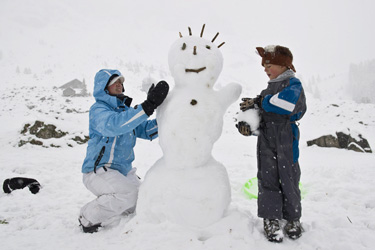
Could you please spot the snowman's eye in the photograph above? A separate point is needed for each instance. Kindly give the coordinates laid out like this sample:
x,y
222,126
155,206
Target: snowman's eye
x,y
183,46
208,47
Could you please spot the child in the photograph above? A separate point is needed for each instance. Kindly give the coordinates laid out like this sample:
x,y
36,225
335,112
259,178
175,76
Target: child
x,y
280,105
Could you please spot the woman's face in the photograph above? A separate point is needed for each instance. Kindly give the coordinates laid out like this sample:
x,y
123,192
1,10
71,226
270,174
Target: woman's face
x,y
273,71
116,88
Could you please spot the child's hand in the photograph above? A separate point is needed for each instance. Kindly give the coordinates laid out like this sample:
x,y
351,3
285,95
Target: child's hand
x,y
250,103
247,103
244,128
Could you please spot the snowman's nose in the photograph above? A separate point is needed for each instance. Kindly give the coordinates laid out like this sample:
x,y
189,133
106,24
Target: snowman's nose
x,y
195,50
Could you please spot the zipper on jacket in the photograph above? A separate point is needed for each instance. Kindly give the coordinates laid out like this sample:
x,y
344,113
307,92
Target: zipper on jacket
x,y
100,156
152,135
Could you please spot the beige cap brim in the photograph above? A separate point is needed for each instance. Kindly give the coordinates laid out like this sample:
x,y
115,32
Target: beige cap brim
x,y
122,79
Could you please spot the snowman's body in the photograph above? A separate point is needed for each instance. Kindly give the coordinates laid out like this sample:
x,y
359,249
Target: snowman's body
x,y
187,185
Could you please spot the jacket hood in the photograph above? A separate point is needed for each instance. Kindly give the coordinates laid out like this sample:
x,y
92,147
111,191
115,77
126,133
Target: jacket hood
x,y
100,82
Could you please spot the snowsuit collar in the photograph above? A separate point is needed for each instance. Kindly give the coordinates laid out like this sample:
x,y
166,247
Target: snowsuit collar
x,y
285,75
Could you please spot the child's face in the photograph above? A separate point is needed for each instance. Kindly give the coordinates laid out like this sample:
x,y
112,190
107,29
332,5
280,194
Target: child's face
x,y
273,70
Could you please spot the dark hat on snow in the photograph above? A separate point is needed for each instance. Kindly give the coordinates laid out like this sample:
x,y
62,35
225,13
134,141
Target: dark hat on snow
x,y
276,54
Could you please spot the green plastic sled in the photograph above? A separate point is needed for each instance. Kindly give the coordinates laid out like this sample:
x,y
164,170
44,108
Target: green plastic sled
x,y
250,189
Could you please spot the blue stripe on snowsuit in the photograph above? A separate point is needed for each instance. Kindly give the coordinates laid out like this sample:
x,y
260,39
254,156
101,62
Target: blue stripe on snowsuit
x,y
283,103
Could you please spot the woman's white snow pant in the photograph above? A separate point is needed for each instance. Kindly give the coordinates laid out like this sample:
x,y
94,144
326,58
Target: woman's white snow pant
x,y
116,194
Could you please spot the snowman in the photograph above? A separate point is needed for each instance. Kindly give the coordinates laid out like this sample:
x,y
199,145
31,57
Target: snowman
x,y
187,186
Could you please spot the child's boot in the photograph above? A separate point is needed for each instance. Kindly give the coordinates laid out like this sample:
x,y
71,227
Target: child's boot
x,y
293,229
272,230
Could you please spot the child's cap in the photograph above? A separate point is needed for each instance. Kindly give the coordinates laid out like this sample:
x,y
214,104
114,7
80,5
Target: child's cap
x,y
276,54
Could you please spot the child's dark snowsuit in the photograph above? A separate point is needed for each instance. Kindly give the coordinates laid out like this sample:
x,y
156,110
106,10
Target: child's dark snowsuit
x,y
279,173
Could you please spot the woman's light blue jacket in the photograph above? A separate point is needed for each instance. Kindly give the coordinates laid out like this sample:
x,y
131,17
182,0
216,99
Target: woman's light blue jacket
x,y
113,129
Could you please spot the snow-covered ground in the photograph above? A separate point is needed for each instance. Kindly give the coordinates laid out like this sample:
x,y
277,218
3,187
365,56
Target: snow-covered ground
x,y
44,44
338,208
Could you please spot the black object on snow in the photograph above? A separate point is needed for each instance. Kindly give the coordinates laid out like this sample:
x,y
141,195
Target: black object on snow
x,y
19,183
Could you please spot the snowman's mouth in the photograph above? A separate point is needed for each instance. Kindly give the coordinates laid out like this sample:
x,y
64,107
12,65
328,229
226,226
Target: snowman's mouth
x,y
195,70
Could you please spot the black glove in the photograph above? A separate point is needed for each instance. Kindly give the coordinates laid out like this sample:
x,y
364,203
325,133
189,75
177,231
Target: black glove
x,y
244,128
251,103
155,97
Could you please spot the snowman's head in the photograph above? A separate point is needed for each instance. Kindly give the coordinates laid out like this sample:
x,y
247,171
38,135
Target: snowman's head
x,y
195,61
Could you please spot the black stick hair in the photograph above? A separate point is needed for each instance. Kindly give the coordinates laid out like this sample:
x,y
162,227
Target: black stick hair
x,y
221,44
201,35
202,29
215,37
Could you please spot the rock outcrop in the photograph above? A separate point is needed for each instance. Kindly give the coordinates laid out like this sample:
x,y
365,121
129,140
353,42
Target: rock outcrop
x,y
342,140
39,133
